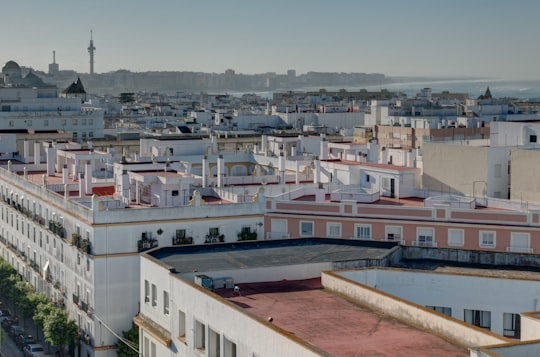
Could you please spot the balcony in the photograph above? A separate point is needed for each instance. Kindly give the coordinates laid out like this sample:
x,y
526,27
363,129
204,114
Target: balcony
x,y
146,242
247,234
182,240
213,236
57,228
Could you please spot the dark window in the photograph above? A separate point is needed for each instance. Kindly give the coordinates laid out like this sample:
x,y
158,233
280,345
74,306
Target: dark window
x,y
532,138
174,193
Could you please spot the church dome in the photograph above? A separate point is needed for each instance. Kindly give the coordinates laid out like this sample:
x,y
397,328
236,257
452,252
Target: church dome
x,y
11,65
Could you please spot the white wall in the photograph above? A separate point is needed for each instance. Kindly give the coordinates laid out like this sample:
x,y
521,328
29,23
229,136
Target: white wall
x,y
252,336
458,292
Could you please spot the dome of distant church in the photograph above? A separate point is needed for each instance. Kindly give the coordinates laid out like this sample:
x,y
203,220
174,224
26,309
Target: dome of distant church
x,y
11,65
11,73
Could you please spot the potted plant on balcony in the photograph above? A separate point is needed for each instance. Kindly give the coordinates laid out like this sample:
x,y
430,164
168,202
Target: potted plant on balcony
x,y
213,236
247,234
86,246
76,239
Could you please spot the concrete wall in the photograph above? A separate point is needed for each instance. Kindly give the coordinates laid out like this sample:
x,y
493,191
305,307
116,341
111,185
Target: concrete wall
x,y
409,312
525,186
453,168
457,292
510,350
473,256
530,326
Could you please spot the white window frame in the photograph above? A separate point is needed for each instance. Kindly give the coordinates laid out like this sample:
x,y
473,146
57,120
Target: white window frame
x,y
306,233
484,318
146,291
511,323
361,234
422,235
166,303
330,226
517,247
154,295
481,242
390,230
453,239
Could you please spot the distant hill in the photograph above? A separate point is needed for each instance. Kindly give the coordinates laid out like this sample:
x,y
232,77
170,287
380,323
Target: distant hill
x,y
114,83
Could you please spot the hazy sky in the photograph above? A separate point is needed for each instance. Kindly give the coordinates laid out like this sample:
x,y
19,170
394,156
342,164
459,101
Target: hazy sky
x,y
480,38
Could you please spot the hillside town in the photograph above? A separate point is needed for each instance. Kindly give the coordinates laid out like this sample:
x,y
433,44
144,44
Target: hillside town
x,y
233,224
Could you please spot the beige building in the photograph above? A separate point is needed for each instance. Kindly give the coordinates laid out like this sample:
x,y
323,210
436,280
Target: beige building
x,y
524,174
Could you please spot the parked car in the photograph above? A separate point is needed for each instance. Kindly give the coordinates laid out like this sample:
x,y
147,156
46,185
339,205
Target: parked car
x,y
7,322
25,339
4,314
34,350
15,330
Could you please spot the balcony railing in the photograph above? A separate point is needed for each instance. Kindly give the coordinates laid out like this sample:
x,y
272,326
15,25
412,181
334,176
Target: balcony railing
x,y
519,249
277,235
424,243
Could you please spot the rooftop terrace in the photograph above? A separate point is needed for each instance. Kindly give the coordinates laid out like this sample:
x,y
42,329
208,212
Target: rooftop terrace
x,y
334,324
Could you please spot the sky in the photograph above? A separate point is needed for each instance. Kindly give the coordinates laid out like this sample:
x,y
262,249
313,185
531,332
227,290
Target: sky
x,y
432,38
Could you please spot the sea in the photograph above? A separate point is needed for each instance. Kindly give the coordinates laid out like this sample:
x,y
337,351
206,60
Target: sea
x,y
519,89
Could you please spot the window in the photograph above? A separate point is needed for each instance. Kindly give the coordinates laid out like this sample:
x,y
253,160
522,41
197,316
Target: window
x,y
154,295
393,232
165,302
214,343
511,325
229,347
478,318
532,138
200,335
367,178
146,291
182,325
487,239
424,237
520,242
306,229
455,237
146,347
46,122
180,233
29,122
333,230
74,122
362,231
443,310
497,170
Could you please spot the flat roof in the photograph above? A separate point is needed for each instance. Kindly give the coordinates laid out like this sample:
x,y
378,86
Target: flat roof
x,y
256,254
335,324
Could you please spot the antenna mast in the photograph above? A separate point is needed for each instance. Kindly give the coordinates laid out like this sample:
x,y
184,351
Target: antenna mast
x,y
91,50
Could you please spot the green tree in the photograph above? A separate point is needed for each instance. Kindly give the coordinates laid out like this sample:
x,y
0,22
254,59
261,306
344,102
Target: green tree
x,y
132,336
59,330
23,302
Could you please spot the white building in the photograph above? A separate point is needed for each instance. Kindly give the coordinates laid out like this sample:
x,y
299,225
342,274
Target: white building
x,y
29,104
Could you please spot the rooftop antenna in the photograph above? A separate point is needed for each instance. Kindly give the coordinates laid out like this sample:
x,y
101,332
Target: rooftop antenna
x,y
91,50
